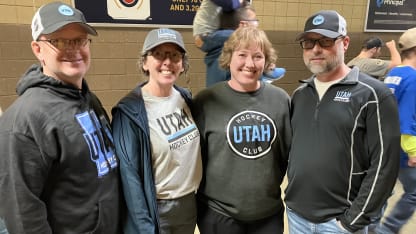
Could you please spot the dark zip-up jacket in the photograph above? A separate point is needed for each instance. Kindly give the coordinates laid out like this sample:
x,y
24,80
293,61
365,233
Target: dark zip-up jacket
x,y
344,158
58,171
132,141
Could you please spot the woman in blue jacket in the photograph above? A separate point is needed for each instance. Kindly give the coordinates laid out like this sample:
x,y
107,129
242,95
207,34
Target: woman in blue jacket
x,y
157,142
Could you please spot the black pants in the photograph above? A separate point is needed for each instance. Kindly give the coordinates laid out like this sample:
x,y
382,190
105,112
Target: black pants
x,y
212,222
177,216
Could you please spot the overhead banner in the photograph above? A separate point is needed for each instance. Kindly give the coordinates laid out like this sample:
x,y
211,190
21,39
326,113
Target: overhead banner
x,y
390,15
139,13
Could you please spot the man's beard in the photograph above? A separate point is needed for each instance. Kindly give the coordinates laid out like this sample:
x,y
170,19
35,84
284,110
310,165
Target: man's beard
x,y
327,66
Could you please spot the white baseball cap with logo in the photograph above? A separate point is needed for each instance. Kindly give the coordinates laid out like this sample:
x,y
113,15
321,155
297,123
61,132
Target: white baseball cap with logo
x,y
55,15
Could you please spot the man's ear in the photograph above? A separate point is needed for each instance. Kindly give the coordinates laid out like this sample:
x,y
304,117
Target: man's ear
x,y
36,49
346,43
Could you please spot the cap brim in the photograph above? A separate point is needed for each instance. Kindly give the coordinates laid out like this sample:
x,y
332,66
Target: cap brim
x,y
56,27
323,32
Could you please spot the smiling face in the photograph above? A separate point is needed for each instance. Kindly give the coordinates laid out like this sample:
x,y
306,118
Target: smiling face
x,y
322,60
68,65
163,64
246,67
246,54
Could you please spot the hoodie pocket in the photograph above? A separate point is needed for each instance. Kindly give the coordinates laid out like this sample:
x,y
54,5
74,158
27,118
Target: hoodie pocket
x,y
108,217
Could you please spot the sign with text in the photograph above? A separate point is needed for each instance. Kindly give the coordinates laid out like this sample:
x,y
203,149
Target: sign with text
x,y
139,13
390,15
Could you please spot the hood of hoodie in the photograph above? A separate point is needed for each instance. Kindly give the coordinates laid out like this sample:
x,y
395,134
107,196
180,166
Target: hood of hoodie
x,y
34,77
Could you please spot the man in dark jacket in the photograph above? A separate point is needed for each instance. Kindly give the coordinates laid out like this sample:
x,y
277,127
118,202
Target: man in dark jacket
x,y
58,170
344,158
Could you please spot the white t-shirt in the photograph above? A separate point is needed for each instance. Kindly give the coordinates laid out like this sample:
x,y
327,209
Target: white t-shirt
x,y
176,152
322,87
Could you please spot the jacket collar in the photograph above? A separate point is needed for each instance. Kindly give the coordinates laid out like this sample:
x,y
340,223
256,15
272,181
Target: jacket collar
x,y
350,78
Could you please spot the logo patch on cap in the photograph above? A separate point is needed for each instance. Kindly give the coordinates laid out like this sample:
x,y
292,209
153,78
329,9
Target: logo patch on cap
x,y
166,34
318,20
65,10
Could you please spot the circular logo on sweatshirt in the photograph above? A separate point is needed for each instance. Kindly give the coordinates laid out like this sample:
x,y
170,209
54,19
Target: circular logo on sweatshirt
x,y
250,134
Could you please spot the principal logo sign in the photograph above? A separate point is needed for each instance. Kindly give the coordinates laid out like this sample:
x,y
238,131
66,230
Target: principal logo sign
x,y
390,2
390,15
250,134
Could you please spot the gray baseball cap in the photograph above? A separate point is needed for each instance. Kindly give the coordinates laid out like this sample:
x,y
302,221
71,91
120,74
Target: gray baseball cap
x,y
160,36
55,15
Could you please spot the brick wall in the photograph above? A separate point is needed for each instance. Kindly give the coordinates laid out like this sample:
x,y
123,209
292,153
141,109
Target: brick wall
x,y
114,71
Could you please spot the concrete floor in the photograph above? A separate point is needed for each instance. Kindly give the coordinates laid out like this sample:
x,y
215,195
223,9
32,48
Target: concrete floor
x,y
409,228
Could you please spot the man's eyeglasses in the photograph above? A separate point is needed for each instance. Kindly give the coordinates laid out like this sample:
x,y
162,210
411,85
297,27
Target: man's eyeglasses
x,y
323,42
63,44
174,56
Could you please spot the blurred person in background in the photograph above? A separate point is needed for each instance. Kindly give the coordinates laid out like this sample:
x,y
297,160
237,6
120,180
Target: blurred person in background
x,y
369,63
401,81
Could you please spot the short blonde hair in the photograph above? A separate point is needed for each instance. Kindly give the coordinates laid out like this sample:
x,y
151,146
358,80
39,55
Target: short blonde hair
x,y
244,37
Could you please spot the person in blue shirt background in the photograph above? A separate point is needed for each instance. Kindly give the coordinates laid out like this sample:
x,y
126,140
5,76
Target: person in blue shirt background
x,y
401,81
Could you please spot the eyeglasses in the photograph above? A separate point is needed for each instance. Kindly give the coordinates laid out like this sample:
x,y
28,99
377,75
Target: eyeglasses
x,y
323,42
252,22
63,44
174,56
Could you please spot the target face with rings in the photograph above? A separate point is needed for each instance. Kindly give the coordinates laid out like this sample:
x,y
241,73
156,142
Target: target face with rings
x,y
129,9
128,3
